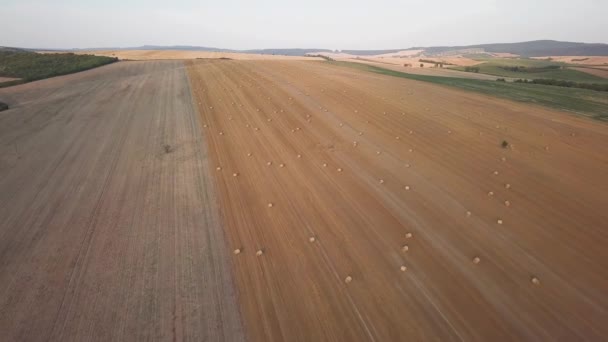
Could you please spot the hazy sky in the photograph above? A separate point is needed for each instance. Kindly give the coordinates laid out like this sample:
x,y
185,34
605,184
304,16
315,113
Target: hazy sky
x,y
332,24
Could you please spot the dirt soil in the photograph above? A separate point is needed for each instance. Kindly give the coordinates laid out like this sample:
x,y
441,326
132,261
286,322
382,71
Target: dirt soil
x,y
109,228
7,79
368,208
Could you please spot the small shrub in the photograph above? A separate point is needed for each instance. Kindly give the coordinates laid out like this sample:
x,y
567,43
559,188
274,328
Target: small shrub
x,y
504,144
3,106
421,65
501,80
471,69
168,148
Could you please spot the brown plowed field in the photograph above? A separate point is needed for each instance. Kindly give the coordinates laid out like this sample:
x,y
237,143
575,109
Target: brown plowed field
x,y
105,234
505,244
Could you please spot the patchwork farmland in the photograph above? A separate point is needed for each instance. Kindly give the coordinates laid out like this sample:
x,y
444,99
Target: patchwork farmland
x,y
292,200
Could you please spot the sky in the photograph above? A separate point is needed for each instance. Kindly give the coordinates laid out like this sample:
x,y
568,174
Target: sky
x,y
328,24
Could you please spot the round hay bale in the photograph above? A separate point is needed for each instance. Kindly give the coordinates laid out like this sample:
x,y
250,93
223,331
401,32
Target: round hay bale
x,y
270,205
281,165
381,181
476,260
507,203
499,221
311,239
348,279
299,156
339,169
324,164
397,138
219,168
468,214
507,186
269,163
236,174
407,187
495,173
237,251
408,235
491,193
405,248
259,252
205,126
249,154
403,268
378,152
535,281
221,133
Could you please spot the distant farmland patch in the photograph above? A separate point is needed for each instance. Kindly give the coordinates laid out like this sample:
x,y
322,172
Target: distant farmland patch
x,y
30,66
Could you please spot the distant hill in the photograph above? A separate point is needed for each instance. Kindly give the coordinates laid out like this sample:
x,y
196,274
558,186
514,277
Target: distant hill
x,y
537,48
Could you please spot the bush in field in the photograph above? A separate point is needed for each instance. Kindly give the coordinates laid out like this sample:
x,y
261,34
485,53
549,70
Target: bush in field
x,y
501,80
567,84
3,106
471,69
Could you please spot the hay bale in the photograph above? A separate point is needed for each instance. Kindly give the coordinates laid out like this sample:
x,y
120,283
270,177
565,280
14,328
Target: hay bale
x,y
259,252
219,168
468,214
408,235
499,221
476,260
507,203
407,187
270,205
491,193
237,251
281,165
221,133
507,186
311,239
236,174
339,169
403,268
348,279
381,181
269,163
405,248
535,281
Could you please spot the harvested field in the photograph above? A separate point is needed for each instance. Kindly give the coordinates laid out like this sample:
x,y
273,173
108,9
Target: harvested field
x,y
430,71
295,201
593,71
109,227
364,207
588,60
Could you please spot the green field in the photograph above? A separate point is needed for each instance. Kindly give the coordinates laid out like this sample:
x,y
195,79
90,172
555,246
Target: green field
x,y
532,69
31,66
586,102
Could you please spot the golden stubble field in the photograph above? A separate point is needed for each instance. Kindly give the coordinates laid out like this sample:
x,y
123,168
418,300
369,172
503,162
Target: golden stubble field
x,y
361,207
